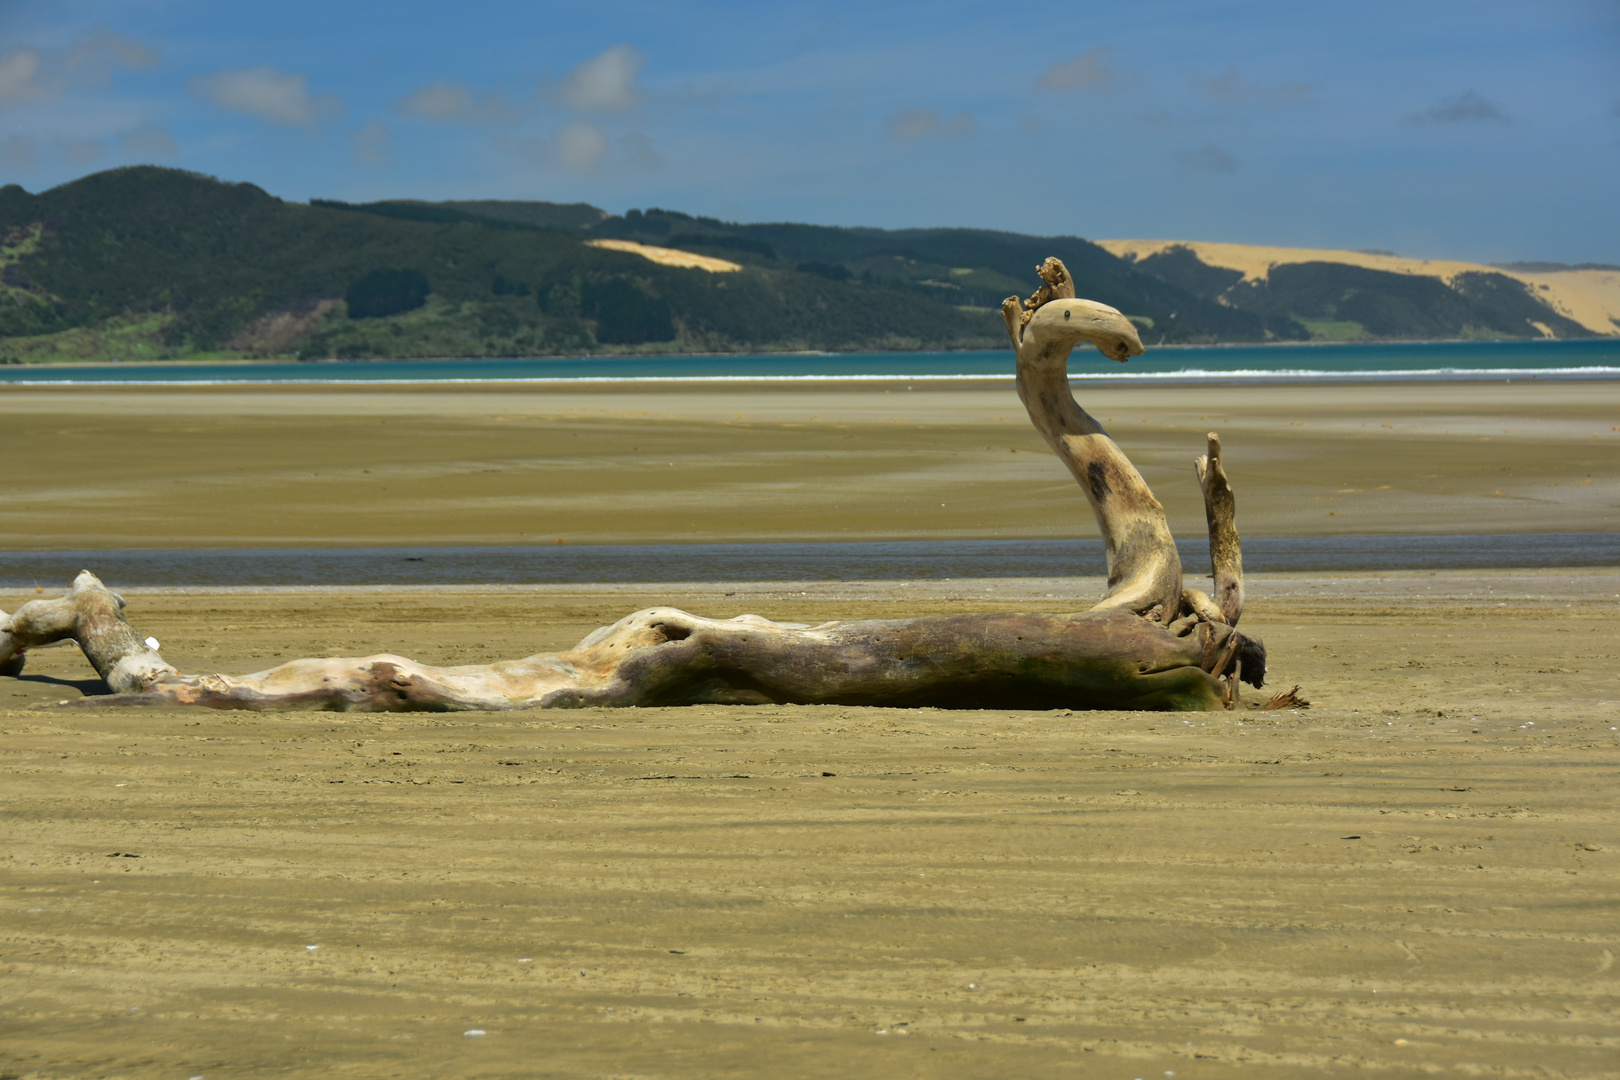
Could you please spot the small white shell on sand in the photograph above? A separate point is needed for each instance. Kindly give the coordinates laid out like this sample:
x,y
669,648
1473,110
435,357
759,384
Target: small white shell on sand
x,y
152,643
474,1033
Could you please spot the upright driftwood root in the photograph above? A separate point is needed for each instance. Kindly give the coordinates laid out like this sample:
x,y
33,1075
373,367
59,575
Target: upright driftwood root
x,y
1148,644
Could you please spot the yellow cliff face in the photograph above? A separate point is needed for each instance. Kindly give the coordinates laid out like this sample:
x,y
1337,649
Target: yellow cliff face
x,y
1589,297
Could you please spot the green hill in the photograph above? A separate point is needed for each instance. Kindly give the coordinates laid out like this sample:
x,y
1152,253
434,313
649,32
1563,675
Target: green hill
x,y
156,263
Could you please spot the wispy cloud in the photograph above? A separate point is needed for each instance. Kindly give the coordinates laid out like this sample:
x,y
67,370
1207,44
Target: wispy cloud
x,y
373,144
1208,158
1233,87
96,54
605,83
150,142
277,96
914,124
81,152
29,74
19,153
451,102
440,101
1467,107
1088,71
19,76
581,146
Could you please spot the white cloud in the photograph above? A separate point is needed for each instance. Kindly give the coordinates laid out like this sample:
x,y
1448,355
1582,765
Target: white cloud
x,y
1088,71
1208,158
913,124
264,92
373,144
1466,108
605,83
149,141
581,146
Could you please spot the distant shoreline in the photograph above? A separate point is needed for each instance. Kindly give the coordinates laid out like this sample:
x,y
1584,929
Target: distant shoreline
x,y
1589,358
606,357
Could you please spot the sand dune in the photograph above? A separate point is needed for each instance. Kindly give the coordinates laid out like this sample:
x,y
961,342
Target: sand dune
x,y
668,256
1589,297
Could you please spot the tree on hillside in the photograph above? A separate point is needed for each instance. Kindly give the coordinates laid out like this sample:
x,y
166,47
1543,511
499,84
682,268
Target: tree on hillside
x,y
386,292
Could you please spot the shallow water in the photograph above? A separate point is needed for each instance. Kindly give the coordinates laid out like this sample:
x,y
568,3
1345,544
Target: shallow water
x,y
884,561
1586,358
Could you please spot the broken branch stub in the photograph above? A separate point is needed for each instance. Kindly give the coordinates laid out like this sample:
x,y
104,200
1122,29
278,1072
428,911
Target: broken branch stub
x,y
1146,645
1225,553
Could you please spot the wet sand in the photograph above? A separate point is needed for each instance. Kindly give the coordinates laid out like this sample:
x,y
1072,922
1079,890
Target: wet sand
x,y
470,465
1416,876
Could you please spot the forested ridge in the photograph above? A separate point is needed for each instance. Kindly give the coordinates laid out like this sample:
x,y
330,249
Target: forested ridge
x,y
155,263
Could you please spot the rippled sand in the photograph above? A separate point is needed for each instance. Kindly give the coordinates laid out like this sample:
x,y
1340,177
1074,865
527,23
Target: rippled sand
x,y
1417,874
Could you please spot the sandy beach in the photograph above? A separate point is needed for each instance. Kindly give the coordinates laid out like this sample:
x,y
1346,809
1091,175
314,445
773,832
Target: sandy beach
x,y
1413,877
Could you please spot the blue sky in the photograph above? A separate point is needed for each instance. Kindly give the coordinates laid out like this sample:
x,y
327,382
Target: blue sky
x,y
1480,130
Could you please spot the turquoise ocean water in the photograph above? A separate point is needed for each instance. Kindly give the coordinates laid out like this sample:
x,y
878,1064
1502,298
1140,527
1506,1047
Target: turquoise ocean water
x,y
1597,358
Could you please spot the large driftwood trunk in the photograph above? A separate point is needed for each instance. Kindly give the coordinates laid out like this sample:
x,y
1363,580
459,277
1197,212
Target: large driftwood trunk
x,y
1148,644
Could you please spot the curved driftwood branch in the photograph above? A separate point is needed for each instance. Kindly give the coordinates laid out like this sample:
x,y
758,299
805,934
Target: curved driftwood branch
x,y
1146,645
1144,570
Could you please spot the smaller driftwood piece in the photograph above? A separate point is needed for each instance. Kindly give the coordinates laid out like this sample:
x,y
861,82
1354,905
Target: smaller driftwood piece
x,y
1148,644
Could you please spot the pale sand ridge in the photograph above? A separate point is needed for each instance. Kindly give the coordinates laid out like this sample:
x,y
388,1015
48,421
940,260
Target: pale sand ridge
x,y
668,256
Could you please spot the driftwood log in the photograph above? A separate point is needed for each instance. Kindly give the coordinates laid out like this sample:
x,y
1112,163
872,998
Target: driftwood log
x,y
1148,644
